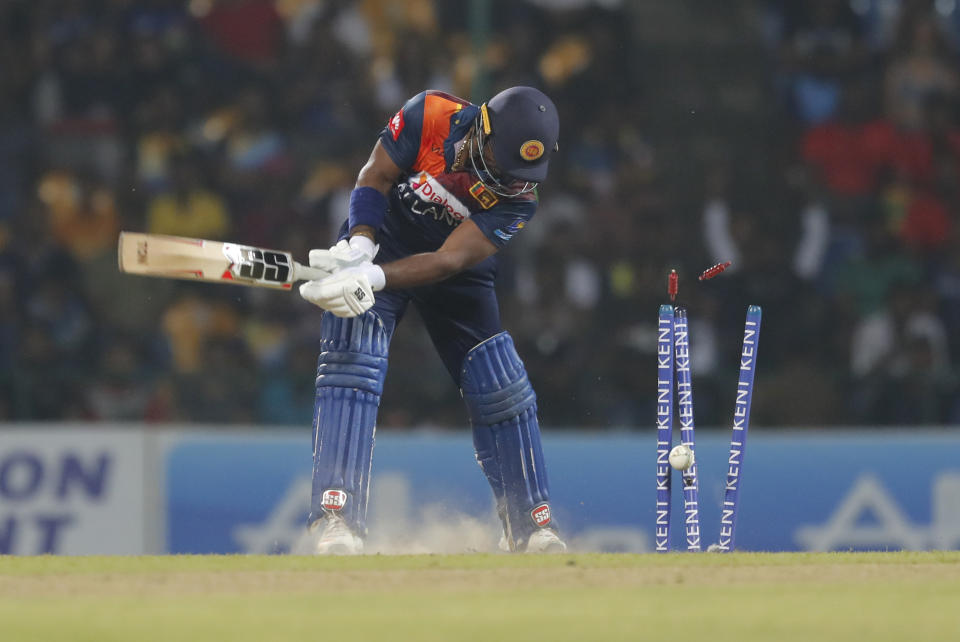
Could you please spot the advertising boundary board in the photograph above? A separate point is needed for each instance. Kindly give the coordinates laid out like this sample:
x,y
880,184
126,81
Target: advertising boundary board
x,y
75,490
130,489
802,490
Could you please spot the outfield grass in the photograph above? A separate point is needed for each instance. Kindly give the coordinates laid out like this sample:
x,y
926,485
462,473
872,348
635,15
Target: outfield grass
x,y
742,597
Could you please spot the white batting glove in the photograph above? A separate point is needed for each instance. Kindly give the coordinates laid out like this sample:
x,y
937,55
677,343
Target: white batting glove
x,y
348,292
345,254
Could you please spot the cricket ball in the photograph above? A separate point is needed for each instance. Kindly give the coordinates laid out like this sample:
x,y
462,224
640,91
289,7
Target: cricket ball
x,y
681,457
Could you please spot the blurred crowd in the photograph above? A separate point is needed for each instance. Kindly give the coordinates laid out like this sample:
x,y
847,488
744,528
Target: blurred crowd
x,y
247,120
869,90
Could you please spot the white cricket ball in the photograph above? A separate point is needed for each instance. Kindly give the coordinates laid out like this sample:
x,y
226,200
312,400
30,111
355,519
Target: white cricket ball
x,y
681,457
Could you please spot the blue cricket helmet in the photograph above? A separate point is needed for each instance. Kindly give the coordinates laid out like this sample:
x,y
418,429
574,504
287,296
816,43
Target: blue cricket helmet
x,y
523,126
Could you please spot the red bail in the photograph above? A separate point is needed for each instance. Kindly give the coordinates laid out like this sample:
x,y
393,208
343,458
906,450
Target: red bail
x,y
709,273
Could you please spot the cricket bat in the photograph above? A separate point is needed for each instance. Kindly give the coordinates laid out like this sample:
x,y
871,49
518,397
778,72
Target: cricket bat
x,y
178,257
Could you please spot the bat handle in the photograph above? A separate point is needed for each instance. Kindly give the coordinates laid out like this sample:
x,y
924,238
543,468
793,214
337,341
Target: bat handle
x,y
306,273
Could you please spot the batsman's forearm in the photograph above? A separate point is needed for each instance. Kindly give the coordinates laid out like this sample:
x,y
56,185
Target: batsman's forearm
x,y
364,230
422,269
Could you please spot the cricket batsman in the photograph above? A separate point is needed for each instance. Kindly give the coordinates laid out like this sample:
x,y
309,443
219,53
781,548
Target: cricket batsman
x,y
447,185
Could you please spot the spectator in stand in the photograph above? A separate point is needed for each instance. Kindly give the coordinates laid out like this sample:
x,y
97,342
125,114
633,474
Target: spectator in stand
x,y
281,400
863,282
849,153
210,397
83,215
921,67
932,210
946,284
159,122
900,362
17,150
188,208
921,200
881,19
11,328
248,31
120,392
254,146
821,45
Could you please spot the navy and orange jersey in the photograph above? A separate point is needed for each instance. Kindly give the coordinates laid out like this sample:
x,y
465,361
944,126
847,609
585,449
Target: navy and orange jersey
x,y
429,201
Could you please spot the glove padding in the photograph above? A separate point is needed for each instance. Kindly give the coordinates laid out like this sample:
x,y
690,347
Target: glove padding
x,y
341,256
347,293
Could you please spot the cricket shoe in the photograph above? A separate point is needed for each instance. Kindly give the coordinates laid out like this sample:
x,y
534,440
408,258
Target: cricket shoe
x,y
336,538
544,540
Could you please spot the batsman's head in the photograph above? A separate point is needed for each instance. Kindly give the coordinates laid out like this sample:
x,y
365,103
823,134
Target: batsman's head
x,y
524,128
517,133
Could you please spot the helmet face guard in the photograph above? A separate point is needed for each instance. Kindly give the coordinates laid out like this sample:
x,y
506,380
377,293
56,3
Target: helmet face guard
x,y
491,179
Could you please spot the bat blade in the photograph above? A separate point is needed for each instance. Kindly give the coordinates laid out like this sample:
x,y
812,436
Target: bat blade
x,y
179,257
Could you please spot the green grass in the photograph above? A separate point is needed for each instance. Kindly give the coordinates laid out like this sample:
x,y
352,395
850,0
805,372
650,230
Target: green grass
x,y
742,597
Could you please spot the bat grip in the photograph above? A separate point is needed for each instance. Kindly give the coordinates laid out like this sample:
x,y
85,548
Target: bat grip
x,y
306,273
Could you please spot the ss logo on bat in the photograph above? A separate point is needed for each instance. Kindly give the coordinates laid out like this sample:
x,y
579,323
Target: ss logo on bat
x,y
264,265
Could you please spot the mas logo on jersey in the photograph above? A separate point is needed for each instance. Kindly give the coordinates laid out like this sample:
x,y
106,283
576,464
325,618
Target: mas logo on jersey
x,y
531,150
334,500
396,124
541,515
516,226
511,229
485,197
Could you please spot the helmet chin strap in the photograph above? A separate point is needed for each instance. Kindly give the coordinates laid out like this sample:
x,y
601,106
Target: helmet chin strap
x,y
483,172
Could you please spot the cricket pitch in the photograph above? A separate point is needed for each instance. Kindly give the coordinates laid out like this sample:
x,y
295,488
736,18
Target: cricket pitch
x,y
741,597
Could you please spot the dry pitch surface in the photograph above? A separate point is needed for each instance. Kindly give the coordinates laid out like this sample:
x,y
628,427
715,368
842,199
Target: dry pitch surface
x,y
744,597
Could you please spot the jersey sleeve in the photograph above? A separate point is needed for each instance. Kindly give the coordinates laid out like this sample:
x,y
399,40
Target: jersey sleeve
x,y
401,135
502,222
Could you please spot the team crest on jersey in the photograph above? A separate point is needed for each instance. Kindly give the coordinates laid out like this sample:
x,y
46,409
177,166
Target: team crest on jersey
x,y
485,197
541,515
396,124
334,500
531,150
